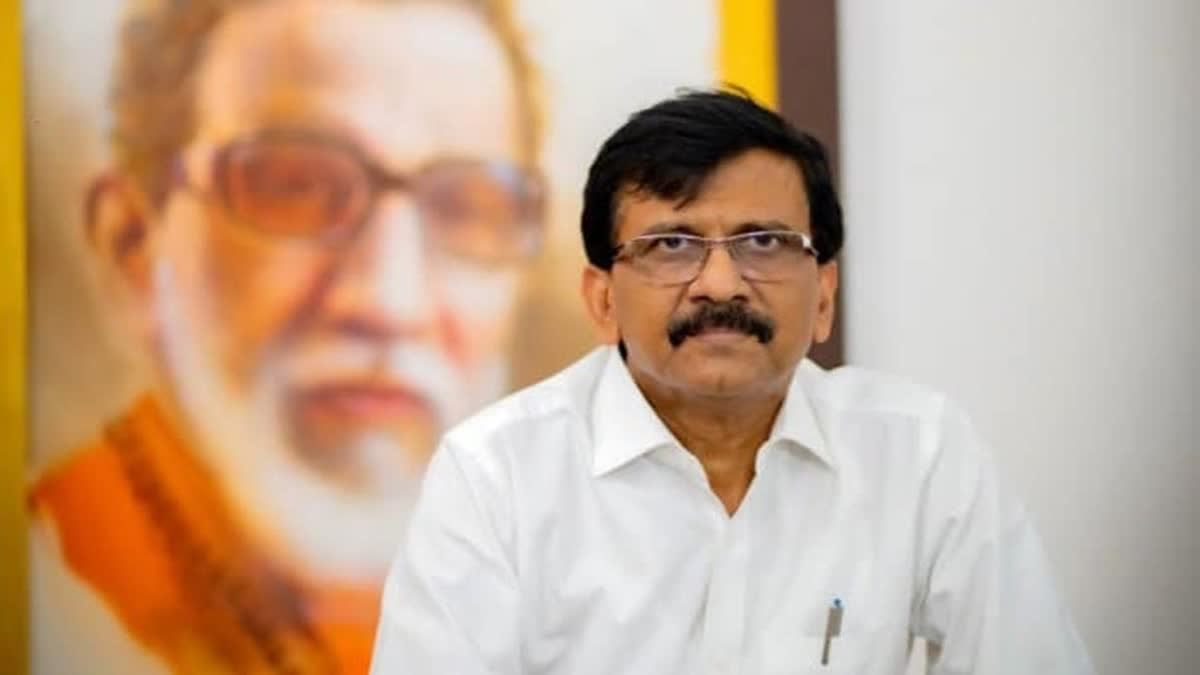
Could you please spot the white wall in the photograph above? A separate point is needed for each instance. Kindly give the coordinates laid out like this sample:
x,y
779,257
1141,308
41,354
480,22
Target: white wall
x,y
1021,181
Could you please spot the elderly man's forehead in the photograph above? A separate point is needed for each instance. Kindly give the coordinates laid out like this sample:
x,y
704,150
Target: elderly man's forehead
x,y
391,73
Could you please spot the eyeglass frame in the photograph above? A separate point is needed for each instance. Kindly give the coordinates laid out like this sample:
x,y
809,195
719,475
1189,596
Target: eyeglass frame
x,y
806,242
380,181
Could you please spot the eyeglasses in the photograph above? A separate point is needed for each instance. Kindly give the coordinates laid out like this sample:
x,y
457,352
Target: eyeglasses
x,y
307,186
762,255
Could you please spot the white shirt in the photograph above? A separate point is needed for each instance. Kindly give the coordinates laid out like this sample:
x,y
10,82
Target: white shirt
x,y
564,530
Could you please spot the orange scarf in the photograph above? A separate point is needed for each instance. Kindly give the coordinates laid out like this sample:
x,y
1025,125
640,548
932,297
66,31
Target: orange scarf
x,y
143,523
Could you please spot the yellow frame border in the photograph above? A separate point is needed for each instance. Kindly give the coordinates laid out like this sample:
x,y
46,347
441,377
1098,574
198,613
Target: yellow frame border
x,y
14,625
747,55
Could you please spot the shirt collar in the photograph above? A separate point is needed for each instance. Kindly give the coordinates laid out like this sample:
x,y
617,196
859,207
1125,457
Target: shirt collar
x,y
797,421
625,426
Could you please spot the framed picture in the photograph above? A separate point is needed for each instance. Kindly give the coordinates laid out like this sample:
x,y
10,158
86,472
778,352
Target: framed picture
x,y
258,255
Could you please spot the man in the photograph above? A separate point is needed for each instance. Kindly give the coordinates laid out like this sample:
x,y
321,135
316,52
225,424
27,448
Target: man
x,y
699,498
319,230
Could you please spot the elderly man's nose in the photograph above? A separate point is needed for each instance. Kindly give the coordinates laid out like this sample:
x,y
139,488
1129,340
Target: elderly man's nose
x,y
384,279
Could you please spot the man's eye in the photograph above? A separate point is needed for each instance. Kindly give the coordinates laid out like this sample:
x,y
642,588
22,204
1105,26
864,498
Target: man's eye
x,y
672,243
766,240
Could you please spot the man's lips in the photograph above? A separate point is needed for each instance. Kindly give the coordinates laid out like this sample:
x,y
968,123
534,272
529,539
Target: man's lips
x,y
720,335
368,401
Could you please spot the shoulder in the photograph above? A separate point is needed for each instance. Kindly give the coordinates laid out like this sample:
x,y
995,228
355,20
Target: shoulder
x,y
530,418
99,519
520,441
511,450
86,484
89,525
89,489
853,389
65,609
871,412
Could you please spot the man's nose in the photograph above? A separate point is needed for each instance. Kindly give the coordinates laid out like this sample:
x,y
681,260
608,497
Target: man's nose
x,y
720,277
383,285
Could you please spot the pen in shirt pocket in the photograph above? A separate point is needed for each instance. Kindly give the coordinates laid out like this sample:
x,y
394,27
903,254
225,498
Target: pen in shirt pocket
x,y
833,628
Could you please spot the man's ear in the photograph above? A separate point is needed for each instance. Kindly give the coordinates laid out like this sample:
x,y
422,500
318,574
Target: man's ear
x,y
827,285
598,298
117,224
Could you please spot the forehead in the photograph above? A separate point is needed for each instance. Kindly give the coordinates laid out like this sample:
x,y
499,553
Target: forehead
x,y
756,186
404,80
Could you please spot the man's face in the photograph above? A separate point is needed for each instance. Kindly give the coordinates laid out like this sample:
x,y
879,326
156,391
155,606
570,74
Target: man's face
x,y
755,191
345,325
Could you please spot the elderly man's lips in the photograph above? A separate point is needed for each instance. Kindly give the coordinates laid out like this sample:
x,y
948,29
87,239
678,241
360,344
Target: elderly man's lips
x,y
364,402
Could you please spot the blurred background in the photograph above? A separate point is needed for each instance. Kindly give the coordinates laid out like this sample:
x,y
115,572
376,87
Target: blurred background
x,y
1020,185
1020,180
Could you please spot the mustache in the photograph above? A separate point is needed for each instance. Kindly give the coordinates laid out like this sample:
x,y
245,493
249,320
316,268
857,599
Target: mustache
x,y
315,364
731,315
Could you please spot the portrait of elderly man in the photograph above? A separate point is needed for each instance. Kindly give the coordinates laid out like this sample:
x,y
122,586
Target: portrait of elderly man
x,y
317,219
697,496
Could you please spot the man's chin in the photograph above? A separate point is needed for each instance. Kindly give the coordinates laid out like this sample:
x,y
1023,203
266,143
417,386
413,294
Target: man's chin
x,y
339,511
720,378
369,462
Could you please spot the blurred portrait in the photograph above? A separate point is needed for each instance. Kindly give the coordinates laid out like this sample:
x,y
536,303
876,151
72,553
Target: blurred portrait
x,y
320,228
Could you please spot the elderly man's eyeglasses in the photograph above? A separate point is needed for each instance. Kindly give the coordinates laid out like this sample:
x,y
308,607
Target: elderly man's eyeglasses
x,y
761,255
316,188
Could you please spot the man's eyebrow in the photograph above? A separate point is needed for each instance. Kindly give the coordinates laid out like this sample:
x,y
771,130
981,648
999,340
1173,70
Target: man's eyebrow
x,y
675,227
762,226
671,228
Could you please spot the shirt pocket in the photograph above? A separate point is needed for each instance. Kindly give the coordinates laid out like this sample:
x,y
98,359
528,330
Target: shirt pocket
x,y
849,654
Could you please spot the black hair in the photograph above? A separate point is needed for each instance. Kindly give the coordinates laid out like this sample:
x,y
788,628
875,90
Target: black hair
x,y
670,148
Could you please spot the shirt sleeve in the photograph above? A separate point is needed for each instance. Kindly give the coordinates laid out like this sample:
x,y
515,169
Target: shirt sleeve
x,y
450,603
988,604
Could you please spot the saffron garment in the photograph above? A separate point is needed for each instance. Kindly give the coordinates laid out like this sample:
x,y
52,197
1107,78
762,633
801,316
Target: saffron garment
x,y
132,531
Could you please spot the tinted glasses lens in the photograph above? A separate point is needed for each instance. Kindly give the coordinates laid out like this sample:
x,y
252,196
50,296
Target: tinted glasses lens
x,y
293,188
481,210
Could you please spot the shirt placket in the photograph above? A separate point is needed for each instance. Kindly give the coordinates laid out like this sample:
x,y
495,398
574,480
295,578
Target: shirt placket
x,y
724,621
725,606
725,609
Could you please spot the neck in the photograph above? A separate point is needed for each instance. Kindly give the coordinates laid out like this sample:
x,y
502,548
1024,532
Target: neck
x,y
724,433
